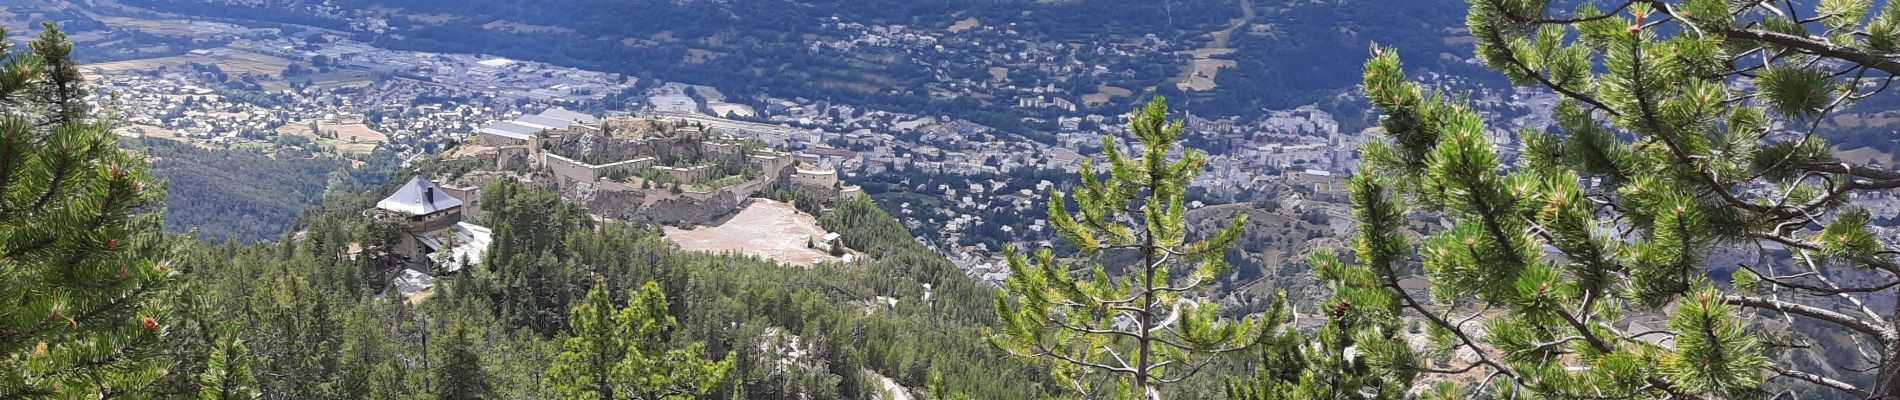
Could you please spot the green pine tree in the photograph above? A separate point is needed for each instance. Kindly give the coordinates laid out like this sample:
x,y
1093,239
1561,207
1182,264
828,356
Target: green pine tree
x,y
459,374
1125,334
1671,117
227,374
82,266
387,382
935,390
611,353
62,89
1359,353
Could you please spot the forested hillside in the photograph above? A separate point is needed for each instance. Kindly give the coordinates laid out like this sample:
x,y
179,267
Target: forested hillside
x,y
246,194
319,321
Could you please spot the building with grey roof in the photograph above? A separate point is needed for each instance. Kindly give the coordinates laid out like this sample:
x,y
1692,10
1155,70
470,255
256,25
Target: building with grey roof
x,y
546,121
571,116
420,198
437,237
506,133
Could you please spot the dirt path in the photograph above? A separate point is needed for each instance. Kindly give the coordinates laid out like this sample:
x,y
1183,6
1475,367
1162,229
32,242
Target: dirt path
x,y
1203,67
1246,15
889,388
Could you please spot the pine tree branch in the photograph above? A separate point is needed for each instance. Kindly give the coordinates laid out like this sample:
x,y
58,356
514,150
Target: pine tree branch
x,y
1430,370
1838,318
1634,336
1540,20
1083,329
44,326
1584,331
30,247
1808,260
1821,380
98,221
1647,115
1122,308
1812,208
1784,282
1559,341
1838,100
60,174
1178,345
1873,261
1043,351
27,393
1464,338
1388,279
1885,63
1183,288
1118,356
1197,368
1876,178
1516,63
1670,10
1174,315
1884,84
118,353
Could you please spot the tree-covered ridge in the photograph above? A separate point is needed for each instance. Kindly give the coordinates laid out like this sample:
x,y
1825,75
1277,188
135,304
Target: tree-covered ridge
x,y
246,194
319,322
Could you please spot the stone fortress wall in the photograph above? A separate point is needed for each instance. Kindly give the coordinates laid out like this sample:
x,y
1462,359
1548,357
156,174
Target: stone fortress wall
x,y
600,166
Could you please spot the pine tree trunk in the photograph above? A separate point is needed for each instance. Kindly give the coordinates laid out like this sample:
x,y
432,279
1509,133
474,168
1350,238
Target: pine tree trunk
x,y
1887,379
1147,307
1147,318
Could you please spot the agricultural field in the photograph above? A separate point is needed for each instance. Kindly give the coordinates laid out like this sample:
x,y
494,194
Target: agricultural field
x,y
965,24
1104,93
352,138
1199,77
234,62
339,78
1864,154
148,131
